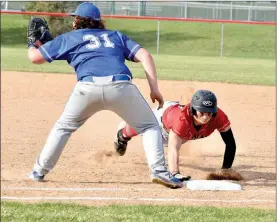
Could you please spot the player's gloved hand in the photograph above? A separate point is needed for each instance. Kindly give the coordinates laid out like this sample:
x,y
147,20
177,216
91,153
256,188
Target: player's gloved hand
x,y
156,95
181,177
38,32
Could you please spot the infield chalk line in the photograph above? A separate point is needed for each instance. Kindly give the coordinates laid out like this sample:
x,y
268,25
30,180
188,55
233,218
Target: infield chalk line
x,y
100,189
132,199
64,189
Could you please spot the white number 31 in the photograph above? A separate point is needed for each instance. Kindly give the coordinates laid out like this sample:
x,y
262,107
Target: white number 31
x,y
95,42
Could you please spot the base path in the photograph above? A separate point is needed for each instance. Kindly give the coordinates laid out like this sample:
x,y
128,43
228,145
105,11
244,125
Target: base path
x,y
88,172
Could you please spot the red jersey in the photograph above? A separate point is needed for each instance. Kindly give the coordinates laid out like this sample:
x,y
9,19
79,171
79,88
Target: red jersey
x,y
179,119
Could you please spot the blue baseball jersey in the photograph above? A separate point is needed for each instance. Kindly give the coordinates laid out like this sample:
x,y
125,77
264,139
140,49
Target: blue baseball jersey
x,y
92,52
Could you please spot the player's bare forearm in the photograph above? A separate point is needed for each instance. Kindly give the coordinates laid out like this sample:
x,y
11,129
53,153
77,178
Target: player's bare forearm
x,y
174,145
149,67
151,74
35,56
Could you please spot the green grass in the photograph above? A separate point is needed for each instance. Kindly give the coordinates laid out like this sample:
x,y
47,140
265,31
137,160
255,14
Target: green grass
x,y
11,211
177,38
188,51
228,70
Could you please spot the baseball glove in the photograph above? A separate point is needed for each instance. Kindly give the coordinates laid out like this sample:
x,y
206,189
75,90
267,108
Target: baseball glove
x,y
38,32
225,174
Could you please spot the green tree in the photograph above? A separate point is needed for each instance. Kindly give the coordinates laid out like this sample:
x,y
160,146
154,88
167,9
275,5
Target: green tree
x,y
57,25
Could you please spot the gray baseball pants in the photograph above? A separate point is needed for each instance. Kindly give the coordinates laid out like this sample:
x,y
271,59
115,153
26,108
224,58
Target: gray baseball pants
x,y
87,98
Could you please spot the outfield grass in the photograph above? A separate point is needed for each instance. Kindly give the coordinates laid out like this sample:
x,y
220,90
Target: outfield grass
x,y
11,211
229,70
177,38
188,50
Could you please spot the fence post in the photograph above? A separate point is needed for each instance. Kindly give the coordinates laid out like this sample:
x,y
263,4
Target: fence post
x,y
113,8
222,39
138,8
142,8
231,11
5,4
186,9
249,12
220,12
158,37
216,12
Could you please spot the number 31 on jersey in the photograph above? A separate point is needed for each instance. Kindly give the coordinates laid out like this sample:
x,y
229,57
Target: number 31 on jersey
x,y
95,41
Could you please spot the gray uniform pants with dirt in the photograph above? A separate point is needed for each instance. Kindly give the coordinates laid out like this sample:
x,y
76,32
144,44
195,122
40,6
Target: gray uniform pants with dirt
x,y
87,98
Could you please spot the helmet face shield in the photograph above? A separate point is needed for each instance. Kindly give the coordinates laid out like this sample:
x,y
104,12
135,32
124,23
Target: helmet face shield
x,y
204,101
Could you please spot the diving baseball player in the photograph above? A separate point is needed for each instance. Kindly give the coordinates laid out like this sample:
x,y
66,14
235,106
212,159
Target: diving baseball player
x,y
104,83
180,123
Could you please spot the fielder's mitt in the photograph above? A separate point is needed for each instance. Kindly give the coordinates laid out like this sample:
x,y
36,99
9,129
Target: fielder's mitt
x,y
38,32
224,174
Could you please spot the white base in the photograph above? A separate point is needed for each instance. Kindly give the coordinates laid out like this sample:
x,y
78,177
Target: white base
x,y
212,185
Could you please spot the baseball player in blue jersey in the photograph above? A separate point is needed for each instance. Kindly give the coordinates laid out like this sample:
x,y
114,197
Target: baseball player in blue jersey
x,y
104,82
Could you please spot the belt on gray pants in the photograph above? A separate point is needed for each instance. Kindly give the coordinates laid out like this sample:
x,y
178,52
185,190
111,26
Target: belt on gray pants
x,y
106,79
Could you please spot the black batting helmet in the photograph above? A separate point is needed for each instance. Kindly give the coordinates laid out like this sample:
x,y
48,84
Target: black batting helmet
x,y
203,101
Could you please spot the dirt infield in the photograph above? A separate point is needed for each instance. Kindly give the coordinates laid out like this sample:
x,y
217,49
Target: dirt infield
x,y
31,103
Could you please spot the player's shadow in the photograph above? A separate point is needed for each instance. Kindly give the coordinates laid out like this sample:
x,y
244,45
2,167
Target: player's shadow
x,y
254,178
241,156
197,167
256,156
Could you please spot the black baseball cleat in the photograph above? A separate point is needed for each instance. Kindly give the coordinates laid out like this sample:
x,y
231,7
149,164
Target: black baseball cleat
x,y
121,143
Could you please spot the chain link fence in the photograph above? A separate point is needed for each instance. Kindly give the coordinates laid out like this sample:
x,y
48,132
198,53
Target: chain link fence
x,y
179,37
249,11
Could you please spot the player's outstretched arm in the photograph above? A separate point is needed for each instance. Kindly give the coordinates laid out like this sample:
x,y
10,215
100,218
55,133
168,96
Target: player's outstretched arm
x,y
150,70
174,145
230,149
226,172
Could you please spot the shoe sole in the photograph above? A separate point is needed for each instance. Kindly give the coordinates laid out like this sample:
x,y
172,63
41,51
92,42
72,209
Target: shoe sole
x,y
170,185
35,178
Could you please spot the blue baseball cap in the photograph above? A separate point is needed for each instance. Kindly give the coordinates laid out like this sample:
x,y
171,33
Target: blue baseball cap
x,y
88,9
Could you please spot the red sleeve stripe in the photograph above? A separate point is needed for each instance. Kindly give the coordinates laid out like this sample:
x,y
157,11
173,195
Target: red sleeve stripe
x,y
225,126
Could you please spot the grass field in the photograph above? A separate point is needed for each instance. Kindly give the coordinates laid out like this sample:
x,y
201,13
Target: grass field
x,y
177,38
11,211
189,51
229,70
178,59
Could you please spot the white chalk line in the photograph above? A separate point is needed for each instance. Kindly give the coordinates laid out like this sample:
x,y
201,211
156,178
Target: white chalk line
x,y
114,198
111,189
134,198
63,189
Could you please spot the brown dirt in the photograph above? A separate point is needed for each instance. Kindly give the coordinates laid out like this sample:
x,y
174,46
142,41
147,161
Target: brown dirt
x,y
32,102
